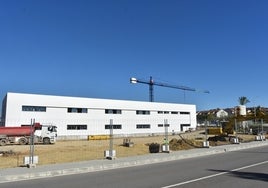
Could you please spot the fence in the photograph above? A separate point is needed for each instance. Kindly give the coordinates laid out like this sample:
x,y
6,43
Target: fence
x,y
87,139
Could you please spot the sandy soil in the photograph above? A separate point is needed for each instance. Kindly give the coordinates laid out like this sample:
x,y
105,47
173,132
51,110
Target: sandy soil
x,y
81,150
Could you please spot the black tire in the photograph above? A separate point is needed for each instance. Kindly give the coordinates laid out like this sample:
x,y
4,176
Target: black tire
x,y
46,141
3,142
22,141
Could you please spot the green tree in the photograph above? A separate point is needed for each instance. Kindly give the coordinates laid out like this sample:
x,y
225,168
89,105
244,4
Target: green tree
x,y
243,100
259,113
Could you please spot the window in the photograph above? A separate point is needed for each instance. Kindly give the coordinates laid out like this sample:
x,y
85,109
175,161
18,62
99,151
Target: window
x,y
77,110
185,125
113,111
143,112
34,108
114,126
162,125
143,126
76,127
184,112
163,112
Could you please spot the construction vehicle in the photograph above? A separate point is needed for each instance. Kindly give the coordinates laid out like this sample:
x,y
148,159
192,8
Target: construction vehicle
x,y
41,134
215,131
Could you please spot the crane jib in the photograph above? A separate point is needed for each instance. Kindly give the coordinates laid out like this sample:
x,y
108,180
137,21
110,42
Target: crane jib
x,y
151,83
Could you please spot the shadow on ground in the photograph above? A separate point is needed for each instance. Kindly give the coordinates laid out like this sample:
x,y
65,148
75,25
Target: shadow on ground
x,y
245,175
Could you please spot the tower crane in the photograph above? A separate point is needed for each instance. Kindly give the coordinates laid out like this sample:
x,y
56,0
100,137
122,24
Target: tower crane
x,y
151,84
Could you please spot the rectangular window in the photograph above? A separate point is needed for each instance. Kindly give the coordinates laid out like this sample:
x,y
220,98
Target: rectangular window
x,y
142,112
114,126
76,127
34,108
184,112
162,125
113,111
185,125
163,112
77,110
143,126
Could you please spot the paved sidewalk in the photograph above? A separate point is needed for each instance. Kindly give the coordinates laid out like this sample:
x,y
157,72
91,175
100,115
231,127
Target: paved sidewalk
x,y
21,173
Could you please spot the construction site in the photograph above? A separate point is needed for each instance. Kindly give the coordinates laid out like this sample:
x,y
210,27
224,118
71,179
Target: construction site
x,y
94,149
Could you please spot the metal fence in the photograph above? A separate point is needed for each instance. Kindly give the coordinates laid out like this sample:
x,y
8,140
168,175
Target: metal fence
x,y
82,140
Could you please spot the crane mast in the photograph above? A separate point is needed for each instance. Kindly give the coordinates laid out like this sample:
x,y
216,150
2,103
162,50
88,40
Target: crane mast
x,y
151,84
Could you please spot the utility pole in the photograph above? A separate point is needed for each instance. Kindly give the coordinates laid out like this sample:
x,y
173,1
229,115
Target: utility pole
x,y
31,155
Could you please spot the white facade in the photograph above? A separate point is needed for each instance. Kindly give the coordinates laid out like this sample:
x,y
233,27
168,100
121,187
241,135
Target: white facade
x,y
221,114
243,110
81,117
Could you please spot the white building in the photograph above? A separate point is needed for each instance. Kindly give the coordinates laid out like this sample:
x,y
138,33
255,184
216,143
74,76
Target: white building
x,y
221,114
78,117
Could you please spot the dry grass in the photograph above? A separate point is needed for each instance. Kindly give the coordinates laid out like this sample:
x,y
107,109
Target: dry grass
x,y
82,150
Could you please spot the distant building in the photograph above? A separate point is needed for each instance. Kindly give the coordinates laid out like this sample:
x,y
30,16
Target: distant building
x,y
215,113
213,116
78,117
221,114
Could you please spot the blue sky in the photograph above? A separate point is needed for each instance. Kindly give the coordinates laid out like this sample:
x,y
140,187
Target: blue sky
x,y
90,48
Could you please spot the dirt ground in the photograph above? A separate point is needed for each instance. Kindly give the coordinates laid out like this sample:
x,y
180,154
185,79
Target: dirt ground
x,y
82,150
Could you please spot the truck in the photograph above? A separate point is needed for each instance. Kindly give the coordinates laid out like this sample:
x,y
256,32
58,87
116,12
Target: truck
x,y
41,134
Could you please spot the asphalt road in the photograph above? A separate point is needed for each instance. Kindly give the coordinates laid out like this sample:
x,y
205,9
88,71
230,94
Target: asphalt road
x,y
244,168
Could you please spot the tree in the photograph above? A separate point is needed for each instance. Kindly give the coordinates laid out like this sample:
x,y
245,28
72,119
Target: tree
x,y
243,100
259,113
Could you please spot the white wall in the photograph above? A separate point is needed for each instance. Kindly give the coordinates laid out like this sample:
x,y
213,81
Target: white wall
x,y
95,118
221,113
243,110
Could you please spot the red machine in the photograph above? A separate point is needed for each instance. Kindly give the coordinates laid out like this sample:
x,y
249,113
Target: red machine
x,y
19,131
22,135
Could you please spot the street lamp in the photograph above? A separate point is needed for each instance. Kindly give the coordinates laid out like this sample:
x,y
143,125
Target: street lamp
x,y
150,83
133,80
